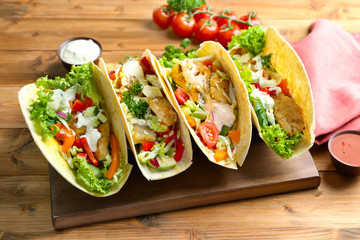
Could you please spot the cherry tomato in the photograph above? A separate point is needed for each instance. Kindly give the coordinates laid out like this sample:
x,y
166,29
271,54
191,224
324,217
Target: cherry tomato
x,y
199,16
224,35
162,16
254,21
183,24
79,106
224,21
209,133
181,96
204,31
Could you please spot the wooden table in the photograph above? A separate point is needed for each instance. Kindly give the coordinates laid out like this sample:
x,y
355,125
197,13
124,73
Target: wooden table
x,y
30,34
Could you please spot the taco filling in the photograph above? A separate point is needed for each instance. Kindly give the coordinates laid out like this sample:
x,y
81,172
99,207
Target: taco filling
x,y
151,118
206,97
70,110
280,118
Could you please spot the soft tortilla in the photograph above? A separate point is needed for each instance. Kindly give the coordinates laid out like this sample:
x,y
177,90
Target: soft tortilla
x,y
243,120
50,147
288,64
186,160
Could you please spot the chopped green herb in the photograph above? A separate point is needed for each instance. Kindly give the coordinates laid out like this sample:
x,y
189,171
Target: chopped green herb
x,y
266,62
138,108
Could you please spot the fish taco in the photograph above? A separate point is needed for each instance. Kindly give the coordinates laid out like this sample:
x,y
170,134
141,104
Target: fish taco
x,y
278,88
206,88
157,135
76,123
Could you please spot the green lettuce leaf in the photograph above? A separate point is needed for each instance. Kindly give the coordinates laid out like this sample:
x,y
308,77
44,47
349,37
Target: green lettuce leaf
x,y
43,116
279,141
91,177
83,76
251,39
57,83
171,53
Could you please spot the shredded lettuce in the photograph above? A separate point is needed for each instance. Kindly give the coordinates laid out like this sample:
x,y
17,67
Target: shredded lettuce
x,y
279,141
91,177
83,76
251,39
245,75
57,83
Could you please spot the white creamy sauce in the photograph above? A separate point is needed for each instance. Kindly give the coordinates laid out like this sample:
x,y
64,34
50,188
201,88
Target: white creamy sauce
x,y
243,58
92,134
223,113
80,51
192,73
61,99
267,102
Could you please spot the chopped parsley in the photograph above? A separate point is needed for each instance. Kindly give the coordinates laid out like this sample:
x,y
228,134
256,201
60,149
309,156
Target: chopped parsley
x,y
138,108
266,62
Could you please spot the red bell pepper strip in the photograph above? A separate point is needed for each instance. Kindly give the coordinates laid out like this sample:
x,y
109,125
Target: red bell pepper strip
x,y
179,151
115,158
146,146
146,66
88,102
79,106
88,150
207,62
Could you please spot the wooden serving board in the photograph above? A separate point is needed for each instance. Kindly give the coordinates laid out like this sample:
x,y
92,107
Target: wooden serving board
x,y
263,173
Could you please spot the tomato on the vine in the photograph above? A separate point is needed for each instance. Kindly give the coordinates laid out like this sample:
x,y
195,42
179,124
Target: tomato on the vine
x,y
225,34
254,21
183,24
163,16
224,21
206,30
199,16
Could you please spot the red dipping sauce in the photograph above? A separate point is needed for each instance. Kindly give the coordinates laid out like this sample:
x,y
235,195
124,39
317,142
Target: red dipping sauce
x,y
346,148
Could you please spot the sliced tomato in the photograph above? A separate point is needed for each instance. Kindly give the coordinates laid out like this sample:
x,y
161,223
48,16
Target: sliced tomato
x,y
179,151
162,134
79,106
146,146
209,133
181,96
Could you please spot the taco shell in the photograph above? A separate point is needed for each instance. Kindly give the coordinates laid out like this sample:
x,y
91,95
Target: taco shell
x,y
50,147
289,65
243,120
186,160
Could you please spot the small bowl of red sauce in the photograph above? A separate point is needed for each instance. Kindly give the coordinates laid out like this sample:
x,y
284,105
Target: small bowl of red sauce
x,y
344,148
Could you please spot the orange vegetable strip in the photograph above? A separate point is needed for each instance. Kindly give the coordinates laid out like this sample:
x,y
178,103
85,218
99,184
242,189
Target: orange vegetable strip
x,y
220,155
115,159
235,135
191,121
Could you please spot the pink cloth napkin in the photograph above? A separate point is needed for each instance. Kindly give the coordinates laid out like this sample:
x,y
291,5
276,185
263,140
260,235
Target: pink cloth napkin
x,y
332,60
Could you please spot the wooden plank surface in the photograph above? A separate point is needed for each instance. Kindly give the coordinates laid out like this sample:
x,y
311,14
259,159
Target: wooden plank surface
x,y
203,183
30,34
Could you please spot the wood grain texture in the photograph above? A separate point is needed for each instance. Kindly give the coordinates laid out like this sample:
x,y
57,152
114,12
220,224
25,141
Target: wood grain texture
x,y
31,31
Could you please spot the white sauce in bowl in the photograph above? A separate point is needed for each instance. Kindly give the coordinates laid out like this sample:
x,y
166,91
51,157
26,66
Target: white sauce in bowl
x,y
80,51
